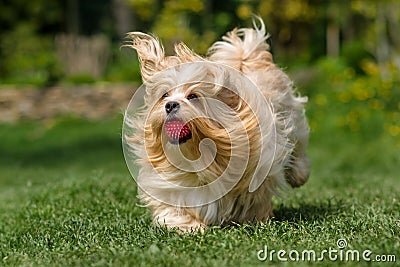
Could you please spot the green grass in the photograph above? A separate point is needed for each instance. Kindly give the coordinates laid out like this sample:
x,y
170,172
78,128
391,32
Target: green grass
x,y
67,199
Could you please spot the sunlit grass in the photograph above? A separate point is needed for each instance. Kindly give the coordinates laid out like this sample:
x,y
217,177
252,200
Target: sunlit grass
x,y
66,198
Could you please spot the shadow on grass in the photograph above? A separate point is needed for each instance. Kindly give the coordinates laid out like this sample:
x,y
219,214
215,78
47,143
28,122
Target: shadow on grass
x,y
308,212
304,213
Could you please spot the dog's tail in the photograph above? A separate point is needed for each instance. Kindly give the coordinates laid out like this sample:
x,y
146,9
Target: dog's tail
x,y
244,49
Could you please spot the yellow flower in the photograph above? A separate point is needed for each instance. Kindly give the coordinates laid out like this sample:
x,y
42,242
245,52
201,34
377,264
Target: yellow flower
x,y
320,100
349,73
394,130
371,68
344,97
244,11
376,104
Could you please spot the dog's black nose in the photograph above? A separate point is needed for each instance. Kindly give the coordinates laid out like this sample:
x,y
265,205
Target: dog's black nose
x,y
171,106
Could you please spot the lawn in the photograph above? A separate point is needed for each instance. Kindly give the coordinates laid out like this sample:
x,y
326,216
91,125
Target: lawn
x,y
67,199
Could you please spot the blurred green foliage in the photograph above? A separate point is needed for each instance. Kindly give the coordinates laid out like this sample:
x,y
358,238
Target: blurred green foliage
x,y
27,53
364,105
28,57
123,66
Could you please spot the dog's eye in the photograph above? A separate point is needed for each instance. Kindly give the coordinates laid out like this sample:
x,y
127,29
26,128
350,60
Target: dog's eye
x,y
192,96
164,95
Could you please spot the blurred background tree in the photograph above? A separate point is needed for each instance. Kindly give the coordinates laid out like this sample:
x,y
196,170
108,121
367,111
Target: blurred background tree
x,y
303,31
26,50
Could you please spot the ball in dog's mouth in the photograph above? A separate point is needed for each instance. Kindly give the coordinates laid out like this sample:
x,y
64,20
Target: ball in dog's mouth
x,y
177,131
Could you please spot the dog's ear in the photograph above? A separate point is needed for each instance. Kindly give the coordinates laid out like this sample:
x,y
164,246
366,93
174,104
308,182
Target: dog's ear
x,y
150,52
230,98
186,55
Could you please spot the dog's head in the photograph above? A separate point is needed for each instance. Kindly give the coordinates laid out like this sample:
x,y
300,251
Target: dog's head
x,y
189,102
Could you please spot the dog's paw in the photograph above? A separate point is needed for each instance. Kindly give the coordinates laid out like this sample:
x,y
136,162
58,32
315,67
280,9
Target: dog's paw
x,y
299,171
180,220
191,228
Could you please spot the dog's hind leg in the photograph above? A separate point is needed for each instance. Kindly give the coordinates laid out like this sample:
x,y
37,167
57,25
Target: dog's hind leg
x,y
298,169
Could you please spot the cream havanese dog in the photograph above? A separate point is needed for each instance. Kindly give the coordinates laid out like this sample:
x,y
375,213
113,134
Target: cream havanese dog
x,y
216,137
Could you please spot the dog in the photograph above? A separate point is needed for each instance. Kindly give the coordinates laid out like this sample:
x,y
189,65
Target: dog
x,y
218,136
